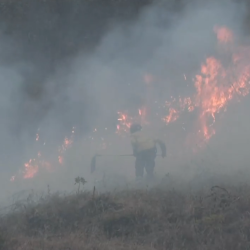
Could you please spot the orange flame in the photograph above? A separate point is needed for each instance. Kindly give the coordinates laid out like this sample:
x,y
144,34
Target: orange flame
x,y
173,116
216,86
66,145
125,120
31,169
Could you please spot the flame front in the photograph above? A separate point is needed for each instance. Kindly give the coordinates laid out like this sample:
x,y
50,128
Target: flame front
x,y
216,84
33,166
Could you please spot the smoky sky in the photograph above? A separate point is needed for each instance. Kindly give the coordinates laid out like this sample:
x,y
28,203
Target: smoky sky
x,y
37,39
75,63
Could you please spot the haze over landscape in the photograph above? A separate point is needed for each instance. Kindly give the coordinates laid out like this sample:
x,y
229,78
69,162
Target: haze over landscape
x,y
75,74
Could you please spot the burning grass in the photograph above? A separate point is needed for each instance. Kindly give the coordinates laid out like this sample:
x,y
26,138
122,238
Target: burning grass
x,y
158,218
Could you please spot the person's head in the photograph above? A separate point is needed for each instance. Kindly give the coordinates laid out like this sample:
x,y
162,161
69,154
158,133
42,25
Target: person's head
x,y
135,128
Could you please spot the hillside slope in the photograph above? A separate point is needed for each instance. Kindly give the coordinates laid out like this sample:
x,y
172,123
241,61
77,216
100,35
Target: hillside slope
x,y
159,218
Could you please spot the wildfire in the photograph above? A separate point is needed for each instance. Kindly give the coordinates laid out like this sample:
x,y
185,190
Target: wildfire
x,y
173,116
31,169
216,84
33,166
176,107
125,120
66,144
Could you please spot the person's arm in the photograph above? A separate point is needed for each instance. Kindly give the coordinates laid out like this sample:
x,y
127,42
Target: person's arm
x,y
162,146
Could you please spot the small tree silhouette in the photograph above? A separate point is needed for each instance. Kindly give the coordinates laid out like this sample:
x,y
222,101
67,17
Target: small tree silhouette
x,y
79,181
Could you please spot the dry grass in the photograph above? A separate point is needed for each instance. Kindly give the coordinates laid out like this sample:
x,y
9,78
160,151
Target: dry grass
x,y
159,218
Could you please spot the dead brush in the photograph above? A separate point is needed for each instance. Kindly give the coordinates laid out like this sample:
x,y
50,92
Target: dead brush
x,y
159,218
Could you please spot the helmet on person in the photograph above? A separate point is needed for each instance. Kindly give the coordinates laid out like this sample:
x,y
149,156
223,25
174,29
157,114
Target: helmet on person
x,y
135,128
